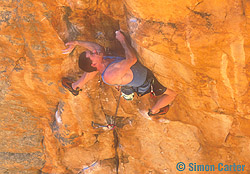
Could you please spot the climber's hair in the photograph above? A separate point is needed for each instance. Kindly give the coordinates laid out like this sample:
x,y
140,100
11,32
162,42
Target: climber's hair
x,y
85,63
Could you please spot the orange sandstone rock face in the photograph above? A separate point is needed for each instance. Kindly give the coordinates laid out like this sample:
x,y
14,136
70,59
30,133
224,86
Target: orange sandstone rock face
x,y
198,48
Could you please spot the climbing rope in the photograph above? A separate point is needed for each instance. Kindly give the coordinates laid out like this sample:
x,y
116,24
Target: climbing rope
x,y
116,139
117,106
112,125
82,171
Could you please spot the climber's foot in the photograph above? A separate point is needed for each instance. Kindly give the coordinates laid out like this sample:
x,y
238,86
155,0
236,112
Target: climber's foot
x,y
67,83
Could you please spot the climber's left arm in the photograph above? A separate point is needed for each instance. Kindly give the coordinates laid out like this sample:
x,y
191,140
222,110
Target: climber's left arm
x,y
84,79
93,47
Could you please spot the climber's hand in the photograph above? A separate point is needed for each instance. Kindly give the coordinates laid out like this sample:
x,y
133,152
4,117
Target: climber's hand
x,y
119,36
74,86
71,45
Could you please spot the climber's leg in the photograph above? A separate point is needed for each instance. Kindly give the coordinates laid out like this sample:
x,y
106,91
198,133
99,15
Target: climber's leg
x,y
166,96
162,105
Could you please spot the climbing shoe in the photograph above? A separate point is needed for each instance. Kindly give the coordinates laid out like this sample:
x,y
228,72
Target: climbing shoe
x,y
128,97
67,83
162,111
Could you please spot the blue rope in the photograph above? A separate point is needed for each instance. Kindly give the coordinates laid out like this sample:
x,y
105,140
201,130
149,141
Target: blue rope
x,y
92,165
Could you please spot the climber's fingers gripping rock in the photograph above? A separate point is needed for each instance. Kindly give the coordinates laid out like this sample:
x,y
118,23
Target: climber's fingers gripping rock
x,y
71,45
119,36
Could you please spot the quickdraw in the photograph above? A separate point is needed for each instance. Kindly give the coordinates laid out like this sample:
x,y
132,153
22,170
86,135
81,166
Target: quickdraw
x,y
111,126
97,126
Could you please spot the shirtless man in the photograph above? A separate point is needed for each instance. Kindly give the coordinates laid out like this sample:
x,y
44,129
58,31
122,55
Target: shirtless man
x,y
126,72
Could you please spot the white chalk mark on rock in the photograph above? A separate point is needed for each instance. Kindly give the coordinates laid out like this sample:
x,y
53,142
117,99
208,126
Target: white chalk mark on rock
x,y
188,36
191,53
59,113
144,113
240,77
223,71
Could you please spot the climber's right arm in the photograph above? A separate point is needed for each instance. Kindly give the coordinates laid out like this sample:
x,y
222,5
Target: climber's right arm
x,y
88,45
84,79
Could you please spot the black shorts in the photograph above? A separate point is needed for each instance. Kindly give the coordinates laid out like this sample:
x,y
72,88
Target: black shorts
x,y
158,88
151,83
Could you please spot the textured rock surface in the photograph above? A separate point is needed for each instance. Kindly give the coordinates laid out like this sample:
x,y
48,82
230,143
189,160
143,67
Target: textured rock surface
x,y
201,49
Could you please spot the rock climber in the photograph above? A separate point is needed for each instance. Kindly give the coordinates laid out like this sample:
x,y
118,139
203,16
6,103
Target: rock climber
x,y
126,72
